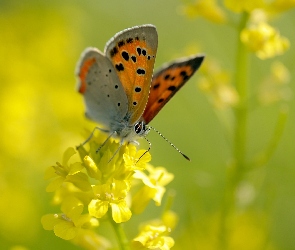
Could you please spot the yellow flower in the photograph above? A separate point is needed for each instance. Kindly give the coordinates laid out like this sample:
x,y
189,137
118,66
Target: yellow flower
x,y
107,164
88,239
280,73
207,9
264,40
153,237
136,160
110,170
66,172
215,82
241,5
277,6
153,187
111,194
275,87
71,221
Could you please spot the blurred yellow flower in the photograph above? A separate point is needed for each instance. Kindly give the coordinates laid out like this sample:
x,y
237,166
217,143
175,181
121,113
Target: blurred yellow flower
x,y
153,237
215,82
275,87
153,187
67,173
111,194
264,40
207,9
88,239
277,6
240,5
71,221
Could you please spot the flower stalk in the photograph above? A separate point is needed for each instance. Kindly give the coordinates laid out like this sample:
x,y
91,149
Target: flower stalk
x,y
237,169
120,233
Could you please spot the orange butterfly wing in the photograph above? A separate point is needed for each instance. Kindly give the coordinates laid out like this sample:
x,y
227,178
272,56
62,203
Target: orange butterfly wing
x,y
133,53
167,81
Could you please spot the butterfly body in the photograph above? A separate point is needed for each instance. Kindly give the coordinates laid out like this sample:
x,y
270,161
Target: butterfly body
x,y
120,91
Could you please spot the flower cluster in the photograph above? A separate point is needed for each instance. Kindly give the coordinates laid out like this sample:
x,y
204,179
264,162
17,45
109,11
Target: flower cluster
x,y
263,39
99,186
256,35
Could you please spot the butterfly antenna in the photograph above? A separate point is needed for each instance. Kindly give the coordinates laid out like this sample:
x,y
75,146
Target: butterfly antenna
x,y
116,152
186,157
150,145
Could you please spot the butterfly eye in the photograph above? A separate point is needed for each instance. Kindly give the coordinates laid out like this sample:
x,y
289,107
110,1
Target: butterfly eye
x,y
140,128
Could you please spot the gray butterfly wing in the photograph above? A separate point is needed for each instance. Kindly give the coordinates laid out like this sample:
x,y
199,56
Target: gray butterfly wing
x,y
104,96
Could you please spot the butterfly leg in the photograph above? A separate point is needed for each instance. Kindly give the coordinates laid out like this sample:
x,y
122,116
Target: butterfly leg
x,y
106,140
92,133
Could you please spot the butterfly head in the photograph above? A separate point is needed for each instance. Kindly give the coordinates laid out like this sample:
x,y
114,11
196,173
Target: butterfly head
x,y
141,129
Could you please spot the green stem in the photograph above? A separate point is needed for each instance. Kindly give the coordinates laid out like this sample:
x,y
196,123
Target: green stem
x,y
265,156
119,230
240,134
241,112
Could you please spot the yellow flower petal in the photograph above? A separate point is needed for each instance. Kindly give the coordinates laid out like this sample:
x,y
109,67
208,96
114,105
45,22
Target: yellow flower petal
x,y
49,173
98,208
91,167
88,239
55,184
207,9
141,199
65,230
80,180
72,207
240,5
120,212
49,221
75,168
67,155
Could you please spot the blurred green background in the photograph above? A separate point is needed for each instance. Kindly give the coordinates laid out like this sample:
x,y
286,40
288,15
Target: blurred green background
x,y
42,115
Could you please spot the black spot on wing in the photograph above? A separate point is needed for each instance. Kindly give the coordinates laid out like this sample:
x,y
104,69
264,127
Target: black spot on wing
x,y
121,43
120,67
138,51
125,55
137,89
167,76
129,40
113,51
171,88
140,71
184,75
133,58
157,85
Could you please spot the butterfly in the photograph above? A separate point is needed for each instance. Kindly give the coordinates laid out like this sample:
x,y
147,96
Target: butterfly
x,y
119,88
